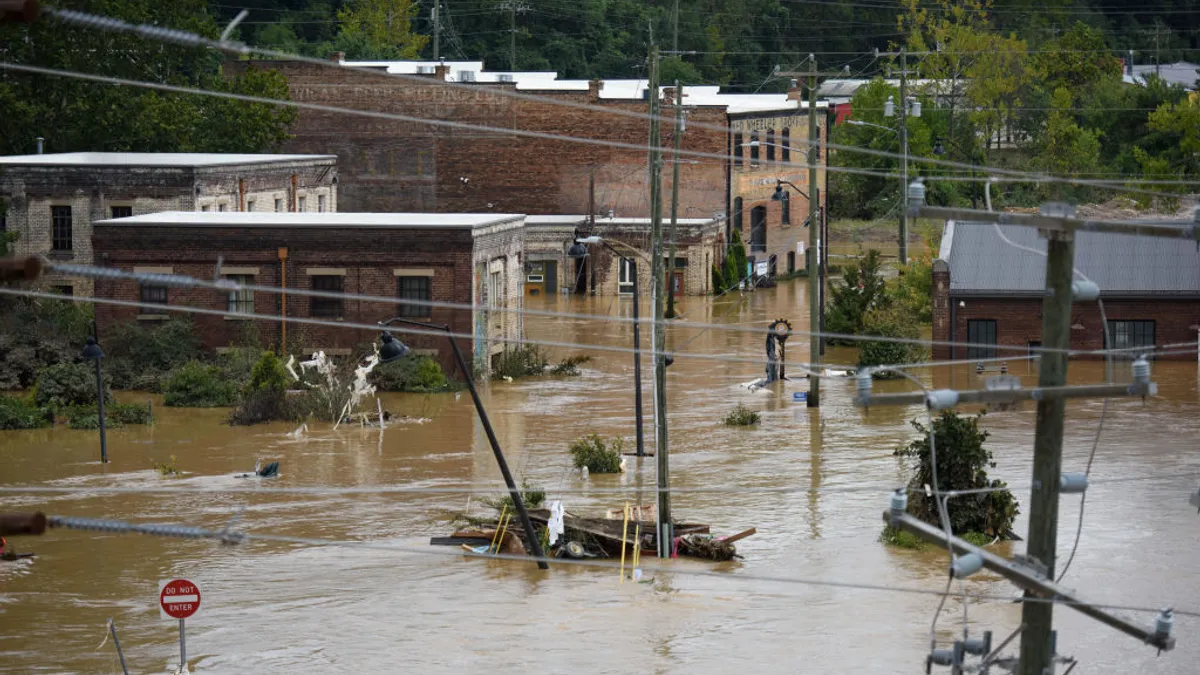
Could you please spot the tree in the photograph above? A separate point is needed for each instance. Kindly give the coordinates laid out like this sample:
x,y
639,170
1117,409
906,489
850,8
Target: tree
x,y
860,290
1066,149
890,321
379,30
962,464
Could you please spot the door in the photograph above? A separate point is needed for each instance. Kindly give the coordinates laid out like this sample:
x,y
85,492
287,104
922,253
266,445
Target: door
x,y
758,229
677,284
551,267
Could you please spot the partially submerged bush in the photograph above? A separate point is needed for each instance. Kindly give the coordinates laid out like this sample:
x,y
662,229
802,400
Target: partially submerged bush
x,y
167,468
18,413
890,322
264,398
420,374
68,384
140,355
570,365
894,536
115,415
530,496
36,333
598,455
196,385
520,361
741,416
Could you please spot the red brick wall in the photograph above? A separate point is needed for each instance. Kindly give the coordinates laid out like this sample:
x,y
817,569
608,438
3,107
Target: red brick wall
x,y
368,256
387,165
1019,321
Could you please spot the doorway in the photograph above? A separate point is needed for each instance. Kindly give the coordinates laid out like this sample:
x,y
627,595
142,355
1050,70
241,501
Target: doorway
x,y
581,276
758,229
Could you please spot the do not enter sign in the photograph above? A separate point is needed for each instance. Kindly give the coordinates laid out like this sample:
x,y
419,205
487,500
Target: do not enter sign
x,y
178,599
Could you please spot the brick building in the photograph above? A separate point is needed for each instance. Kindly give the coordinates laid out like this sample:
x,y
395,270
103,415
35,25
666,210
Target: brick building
x,y
990,293
699,244
548,269
52,200
470,259
391,165
762,141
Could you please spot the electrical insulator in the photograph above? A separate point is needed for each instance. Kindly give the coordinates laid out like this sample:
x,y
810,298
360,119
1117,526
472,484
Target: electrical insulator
x,y
899,503
942,399
1141,371
916,195
862,382
889,107
979,646
966,565
1072,483
1194,500
945,657
916,108
1084,291
1163,623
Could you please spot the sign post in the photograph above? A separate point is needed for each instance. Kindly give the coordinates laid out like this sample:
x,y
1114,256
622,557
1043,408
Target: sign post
x,y
179,599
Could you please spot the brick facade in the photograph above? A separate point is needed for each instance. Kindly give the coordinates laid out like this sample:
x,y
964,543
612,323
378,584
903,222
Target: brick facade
x,y
91,192
390,166
369,261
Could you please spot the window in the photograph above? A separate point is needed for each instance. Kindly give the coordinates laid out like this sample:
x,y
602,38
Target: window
x,y
414,288
738,139
250,204
754,148
221,208
320,203
625,275
278,205
204,208
302,201
241,300
737,215
63,290
771,145
791,262
329,308
1126,334
758,229
785,209
60,220
786,142
153,295
981,332
122,211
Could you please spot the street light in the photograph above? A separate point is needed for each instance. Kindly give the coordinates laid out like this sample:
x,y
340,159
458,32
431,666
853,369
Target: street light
x,y
92,352
579,250
815,294
910,106
391,349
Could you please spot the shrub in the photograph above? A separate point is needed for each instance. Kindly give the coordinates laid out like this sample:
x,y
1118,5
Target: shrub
x,y
596,454
264,398
962,464
16,413
36,333
68,384
570,365
893,322
167,468
115,415
268,374
860,290
419,374
741,416
518,362
196,385
140,356
530,496
894,536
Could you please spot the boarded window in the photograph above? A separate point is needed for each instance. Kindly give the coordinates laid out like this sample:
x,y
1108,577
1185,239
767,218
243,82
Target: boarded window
x,y
786,142
60,221
328,308
414,288
981,333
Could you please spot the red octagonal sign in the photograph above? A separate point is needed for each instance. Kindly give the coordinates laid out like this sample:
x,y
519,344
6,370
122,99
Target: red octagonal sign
x,y
179,599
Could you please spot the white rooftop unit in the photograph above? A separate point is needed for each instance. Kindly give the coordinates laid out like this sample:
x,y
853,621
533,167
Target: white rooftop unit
x,y
506,77
466,76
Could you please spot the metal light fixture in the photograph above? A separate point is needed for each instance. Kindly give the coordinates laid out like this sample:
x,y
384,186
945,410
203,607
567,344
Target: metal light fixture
x,y
577,250
914,107
938,148
93,352
779,194
889,107
391,349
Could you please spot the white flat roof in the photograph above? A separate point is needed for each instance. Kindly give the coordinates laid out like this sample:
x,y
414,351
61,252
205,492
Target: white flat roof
x,y
316,220
646,221
554,220
174,159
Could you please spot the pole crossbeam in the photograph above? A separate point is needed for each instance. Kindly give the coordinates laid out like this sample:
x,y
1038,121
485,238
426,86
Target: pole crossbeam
x,y
1014,395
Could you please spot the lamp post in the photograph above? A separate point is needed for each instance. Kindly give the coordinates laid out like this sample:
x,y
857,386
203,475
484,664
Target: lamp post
x,y
579,250
815,283
391,349
909,106
92,352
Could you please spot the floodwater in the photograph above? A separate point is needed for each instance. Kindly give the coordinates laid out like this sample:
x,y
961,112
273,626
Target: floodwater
x,y
275,607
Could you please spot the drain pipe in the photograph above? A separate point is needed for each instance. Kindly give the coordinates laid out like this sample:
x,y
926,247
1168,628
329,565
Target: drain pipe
x,y
283,256
40,142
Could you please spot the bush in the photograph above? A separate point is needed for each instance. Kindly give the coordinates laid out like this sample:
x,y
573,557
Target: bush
x,y
741,416
894,536
596,454
892,322
530,496
196,385
115,415
140,356
36,333
520,361
68,384
419,374
860,290
268,374
16,413
570,365
962,465
264,398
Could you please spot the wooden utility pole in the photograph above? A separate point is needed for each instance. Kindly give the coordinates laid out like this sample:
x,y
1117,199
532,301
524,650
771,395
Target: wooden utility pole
x,y
814,245
670,314
903,155
675,30
1036,647
658,337
437,33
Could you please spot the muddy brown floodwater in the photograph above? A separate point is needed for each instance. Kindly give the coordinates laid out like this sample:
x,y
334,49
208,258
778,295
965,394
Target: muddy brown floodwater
x,y
273,608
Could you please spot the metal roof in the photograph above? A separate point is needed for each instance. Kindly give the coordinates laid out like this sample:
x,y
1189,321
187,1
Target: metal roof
x,y
416,221
981,263
155,159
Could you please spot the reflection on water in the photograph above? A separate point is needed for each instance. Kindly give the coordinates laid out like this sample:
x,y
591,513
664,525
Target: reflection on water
x,y
275,607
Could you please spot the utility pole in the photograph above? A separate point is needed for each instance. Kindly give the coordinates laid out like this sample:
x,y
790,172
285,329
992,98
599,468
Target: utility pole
x,y
674,201
513,8
1036,647
814,245
658,338
675,30
903,155
437,33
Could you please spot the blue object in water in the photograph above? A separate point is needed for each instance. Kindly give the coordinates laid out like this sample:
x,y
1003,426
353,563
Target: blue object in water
x,y
800,396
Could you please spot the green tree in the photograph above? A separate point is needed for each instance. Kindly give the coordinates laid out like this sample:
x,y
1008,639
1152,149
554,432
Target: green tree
x,y
1066,149
893,322
379,29
860,290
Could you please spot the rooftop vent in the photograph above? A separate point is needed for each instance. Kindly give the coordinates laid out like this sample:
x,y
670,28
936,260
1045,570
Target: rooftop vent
x,y
425,70
466,76
506,77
